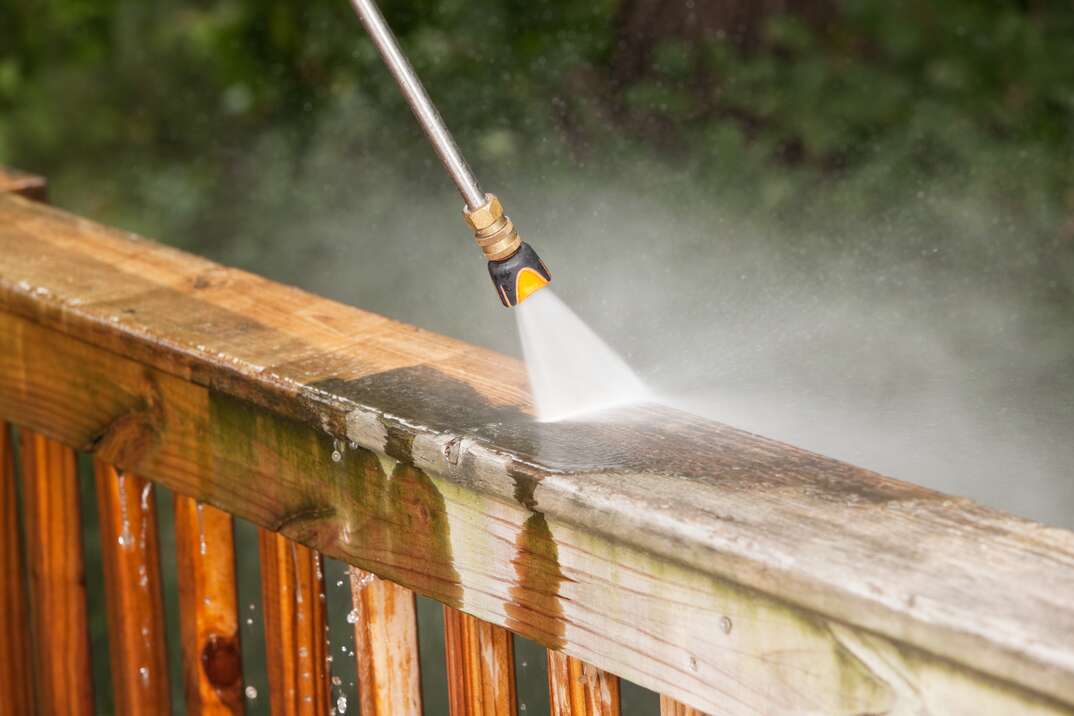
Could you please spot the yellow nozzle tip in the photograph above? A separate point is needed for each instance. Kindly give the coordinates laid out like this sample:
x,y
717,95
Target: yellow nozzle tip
x,y
527,283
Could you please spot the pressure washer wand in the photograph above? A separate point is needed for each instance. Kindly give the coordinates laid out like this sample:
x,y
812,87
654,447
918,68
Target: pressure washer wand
x,y
516,269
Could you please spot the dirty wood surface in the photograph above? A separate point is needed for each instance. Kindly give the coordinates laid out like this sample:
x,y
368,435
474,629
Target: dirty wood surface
x,y
385,646
51,514
208,609
576,688
734,573
16,677
480,666
135,607
292,583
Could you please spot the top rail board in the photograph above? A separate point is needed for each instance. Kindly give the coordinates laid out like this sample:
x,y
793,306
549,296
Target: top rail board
x,y
732,572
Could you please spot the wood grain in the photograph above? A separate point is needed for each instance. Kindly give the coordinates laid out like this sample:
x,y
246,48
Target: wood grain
x,y
64,684
576,688
386,646
749,575
130,553
671,707
16,677
291,587
480,666
208,609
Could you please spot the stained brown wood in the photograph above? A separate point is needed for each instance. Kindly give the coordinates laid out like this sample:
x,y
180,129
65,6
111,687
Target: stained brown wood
x,y
576,688
480,666
16,678
755,576
291,587
27,185
671,707
208,608
386,646
63,682
130,553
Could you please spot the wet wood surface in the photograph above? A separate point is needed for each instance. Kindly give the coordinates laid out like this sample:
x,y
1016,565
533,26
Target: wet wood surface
x,y
52,516
208,609
754,576
130,553
480,666
386,646
292,585
16,677
576,688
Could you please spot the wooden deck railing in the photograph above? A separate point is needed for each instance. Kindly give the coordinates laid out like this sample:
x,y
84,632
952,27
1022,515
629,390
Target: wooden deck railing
x,y
730,573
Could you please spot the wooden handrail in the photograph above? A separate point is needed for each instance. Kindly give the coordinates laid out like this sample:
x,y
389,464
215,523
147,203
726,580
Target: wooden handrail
x,y
736,574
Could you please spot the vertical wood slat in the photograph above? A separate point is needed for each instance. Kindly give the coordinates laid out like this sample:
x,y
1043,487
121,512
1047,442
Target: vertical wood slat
x,y
208,609
671,707
292,583
480,666
64,683
16,678
129,551
386,646
576,688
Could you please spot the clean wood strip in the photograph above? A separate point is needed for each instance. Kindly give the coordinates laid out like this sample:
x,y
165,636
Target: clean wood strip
x,y
480,666
671,707
136,633
761,577
386,646
16,678
208,609
291,587
64,683
576,688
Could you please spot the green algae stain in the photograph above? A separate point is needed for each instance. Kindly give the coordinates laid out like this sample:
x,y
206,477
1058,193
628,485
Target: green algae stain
x,y
535,608
322,492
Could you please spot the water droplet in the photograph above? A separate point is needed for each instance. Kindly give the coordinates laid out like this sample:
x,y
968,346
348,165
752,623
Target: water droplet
x,y
251,693
725,624
336,456
303,652
354,445
143,673
249,621
523,664
336,681
522,707
352,616
693,664
341,704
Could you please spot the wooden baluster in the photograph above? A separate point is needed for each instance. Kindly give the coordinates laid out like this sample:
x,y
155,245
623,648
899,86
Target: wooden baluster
x,y
480,666
208,606
136,633
64,683
292,583
580,689
386,646
16,679
671,707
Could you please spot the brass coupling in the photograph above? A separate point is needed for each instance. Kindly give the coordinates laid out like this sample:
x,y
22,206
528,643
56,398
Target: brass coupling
x,y
493,230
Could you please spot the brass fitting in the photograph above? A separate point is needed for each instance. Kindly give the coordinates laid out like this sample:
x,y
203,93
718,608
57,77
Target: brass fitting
x,y
493,230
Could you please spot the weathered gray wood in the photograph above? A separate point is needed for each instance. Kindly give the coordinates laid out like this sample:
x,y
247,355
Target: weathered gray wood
x,y
734,573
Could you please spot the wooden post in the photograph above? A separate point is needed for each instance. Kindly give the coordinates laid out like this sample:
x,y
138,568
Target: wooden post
x,y
579,689
64,683
16,679
208,606
480,666
671,707
292,583
136,633
386,646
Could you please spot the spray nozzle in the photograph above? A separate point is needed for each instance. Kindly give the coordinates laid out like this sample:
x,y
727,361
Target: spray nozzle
x,y
516,269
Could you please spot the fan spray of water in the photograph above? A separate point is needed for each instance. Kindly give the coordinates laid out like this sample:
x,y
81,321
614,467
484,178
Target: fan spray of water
x,y
572,371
